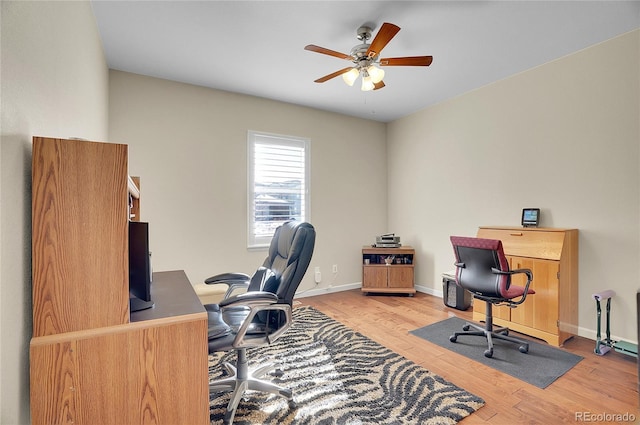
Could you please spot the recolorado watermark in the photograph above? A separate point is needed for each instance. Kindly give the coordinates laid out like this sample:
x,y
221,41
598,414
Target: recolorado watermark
x,y
605,417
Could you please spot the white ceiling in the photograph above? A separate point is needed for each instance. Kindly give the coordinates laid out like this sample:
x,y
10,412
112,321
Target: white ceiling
x,y
257,47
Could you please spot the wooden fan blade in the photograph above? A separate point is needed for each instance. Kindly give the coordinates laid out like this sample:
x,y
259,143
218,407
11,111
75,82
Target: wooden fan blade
x,y
407,61
386,33
333,75
318,49
379,85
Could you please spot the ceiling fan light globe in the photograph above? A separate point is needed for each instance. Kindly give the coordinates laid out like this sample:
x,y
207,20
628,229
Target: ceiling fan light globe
x,y
376,74
367,83
350,77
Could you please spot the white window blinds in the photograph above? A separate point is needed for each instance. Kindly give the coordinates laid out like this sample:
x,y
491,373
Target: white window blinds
x,y
278,184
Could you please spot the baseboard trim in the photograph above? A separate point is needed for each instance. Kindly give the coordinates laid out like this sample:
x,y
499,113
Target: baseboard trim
x,y
331,289
430,291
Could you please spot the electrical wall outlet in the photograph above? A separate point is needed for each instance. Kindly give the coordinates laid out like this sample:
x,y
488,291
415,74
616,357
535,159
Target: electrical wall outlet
x,y
317,275
335,268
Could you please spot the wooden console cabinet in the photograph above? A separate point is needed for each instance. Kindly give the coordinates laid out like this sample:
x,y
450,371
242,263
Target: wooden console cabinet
x,y
91,361
551,313
393,278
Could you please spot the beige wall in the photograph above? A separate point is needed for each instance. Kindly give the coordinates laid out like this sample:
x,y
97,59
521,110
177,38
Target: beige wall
x,y
54,83
189,145
563,137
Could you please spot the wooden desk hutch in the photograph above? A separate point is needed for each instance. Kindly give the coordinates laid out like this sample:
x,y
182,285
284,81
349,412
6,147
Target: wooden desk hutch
x,y
91,361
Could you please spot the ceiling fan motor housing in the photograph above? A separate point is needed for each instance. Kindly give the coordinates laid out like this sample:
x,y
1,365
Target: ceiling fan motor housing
x,y
364,33
359,55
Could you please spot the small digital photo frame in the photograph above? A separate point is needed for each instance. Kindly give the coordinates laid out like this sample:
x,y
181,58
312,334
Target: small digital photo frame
x,y
530,217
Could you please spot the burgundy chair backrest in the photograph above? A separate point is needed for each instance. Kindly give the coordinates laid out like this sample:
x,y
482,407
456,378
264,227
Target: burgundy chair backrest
x,y
475,259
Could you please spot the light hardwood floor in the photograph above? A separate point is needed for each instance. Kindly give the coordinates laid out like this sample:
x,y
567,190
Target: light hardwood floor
x,y
597,385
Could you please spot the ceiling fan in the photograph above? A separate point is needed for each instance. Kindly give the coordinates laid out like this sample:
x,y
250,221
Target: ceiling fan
x,y
366,58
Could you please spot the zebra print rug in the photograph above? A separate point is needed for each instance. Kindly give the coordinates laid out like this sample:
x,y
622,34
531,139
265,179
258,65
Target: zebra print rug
x,y
338,376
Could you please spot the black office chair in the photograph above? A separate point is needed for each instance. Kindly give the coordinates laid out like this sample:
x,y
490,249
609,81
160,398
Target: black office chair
x,y
483,269
261,314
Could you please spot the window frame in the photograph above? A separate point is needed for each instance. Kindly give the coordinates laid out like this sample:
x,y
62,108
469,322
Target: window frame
x,y
255,242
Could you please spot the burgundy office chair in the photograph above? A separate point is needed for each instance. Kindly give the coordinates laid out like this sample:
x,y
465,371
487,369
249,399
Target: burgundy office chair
x,y
483,270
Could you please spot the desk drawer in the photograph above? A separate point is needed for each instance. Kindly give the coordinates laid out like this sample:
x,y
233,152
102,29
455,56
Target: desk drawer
x,y
527,243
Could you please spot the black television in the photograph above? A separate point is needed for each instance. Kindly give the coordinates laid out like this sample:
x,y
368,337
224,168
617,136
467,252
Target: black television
x,y
140,273
530,217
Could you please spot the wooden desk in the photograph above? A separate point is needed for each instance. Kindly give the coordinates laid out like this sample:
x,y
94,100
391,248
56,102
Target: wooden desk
x,y
151,370
551,254
173,296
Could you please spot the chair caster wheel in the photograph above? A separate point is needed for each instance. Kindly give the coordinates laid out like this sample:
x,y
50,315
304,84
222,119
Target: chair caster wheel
x,y
278,373
292,404
466,328
453,338
488,353
524,349
505,333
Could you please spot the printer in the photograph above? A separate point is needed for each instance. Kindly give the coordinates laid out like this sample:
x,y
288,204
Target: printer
x,y
390,240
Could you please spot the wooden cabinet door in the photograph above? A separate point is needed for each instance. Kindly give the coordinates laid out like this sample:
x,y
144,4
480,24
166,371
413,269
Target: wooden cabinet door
x,y
523,314
546,299
499,312
400,277
540,310
502,312
374,277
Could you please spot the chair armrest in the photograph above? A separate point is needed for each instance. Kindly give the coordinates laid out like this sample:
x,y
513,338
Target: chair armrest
x,y
525,271
233,281
256,301
240,342
250,299
526,287
227,278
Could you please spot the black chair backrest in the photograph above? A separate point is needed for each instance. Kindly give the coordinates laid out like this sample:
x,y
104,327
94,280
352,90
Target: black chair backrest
x,y
476,258
289,257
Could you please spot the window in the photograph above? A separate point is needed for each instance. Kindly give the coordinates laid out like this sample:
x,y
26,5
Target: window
x,y
278,181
